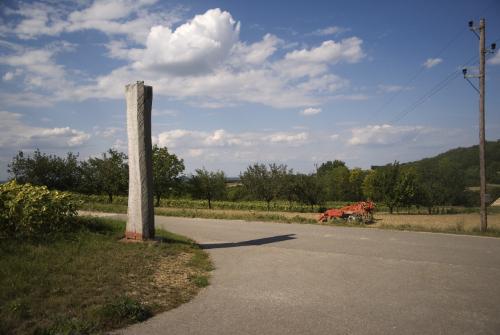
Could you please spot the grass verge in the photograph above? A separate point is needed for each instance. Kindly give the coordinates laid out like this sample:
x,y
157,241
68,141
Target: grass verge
x,y
492,231
466,223
284,217
88,281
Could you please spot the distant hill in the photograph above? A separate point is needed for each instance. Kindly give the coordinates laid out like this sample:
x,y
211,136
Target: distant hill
x,y
467,160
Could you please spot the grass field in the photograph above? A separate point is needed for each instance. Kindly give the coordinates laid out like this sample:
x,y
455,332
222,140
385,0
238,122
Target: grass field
x,y
451,223
463,223
89,281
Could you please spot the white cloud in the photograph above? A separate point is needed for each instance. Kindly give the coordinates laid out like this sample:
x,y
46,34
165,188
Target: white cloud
x,y
284,83
172,137
332,30
112,17
202,61
8,76
107,10
211,104
107,132
120,145
310,111
15,134
232,151
495,60
182,138
331,52
39,71
167,112
194,47
71,137
293,139
385,134
350,97
212,147
26,99
257,52
195,152
38,19
392,88
431,62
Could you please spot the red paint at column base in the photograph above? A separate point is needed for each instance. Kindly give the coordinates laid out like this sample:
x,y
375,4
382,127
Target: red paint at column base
x,y
132,235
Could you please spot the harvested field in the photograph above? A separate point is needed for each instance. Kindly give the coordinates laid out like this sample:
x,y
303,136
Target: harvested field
x,y
450,222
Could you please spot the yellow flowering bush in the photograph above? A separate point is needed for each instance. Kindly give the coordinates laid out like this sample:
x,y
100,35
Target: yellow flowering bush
x,y
29,211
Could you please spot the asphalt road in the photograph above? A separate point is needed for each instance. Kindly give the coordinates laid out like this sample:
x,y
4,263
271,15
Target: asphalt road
x,y
307,279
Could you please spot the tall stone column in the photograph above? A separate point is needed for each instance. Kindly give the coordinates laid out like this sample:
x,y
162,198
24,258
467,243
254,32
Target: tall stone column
x,y
140,223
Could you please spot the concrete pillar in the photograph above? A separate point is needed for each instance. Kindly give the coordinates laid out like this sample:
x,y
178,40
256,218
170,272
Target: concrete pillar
x,y
140,223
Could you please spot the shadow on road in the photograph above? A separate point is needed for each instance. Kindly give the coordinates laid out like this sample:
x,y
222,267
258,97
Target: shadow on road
x,y
259,241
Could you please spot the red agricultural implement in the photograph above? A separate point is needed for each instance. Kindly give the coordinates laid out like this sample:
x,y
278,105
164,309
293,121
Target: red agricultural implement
x,y
359,212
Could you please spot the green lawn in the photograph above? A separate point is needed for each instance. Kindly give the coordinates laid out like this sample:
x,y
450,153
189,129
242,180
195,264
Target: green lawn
x,y
89,281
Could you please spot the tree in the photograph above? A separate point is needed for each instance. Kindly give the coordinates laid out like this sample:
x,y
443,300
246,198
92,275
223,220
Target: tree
x,y
355,190
167,172
385,185
441,183
310,190
263,183
208,185
108,174
335,177
407,187
288,189
49,170
368,187
330,165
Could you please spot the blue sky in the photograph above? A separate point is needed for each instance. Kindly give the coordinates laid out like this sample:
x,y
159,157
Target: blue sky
x,y
238,82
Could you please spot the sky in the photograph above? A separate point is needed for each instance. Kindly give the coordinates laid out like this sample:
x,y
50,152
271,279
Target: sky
x,y
241,82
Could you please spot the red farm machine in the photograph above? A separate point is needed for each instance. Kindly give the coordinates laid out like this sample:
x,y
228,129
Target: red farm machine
x,y
361,212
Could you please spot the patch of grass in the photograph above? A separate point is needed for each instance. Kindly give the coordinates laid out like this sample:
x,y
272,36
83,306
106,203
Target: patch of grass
x,y
122,311
234,215
88,281
200,260
459,229
103,207
200,281
465,223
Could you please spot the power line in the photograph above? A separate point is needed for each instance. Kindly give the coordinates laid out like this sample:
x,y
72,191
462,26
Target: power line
x,y
422,69
434,90
430,93
418,73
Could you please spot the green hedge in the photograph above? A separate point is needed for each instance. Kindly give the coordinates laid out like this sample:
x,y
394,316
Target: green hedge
x,y
33,211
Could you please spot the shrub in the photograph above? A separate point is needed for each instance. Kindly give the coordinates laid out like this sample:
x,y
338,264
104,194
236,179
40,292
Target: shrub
x,y
29,211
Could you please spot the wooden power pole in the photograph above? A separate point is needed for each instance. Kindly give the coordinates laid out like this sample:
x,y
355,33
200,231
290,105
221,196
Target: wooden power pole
x,y
482,168
480,32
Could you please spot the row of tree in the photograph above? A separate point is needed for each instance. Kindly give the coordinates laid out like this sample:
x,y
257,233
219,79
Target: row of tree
x,y
426,184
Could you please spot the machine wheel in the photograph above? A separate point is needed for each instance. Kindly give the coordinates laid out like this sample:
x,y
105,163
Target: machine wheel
x,y
355,219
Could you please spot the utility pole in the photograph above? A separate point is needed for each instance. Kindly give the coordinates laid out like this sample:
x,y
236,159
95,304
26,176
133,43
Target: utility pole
x,y
482,75
480,32
482,173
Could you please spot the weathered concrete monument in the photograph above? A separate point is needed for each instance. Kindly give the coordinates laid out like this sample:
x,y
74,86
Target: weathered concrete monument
x,y
140,223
